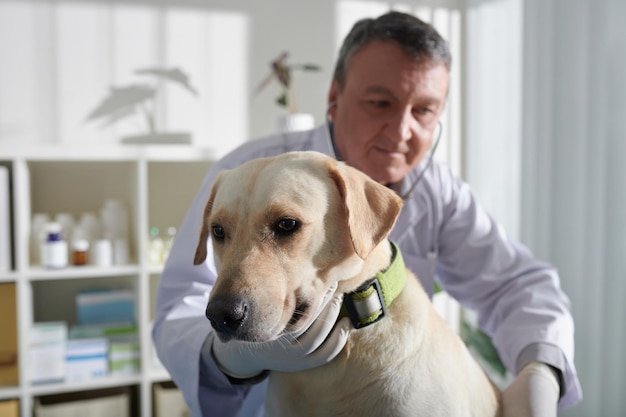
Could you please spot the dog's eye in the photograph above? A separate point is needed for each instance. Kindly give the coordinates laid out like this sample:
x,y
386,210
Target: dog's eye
x,y
286,226
218,232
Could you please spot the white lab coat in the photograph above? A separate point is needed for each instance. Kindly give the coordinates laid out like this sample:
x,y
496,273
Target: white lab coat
x,y
442,231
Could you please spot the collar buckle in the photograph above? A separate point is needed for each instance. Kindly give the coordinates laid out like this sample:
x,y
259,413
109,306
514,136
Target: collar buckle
x,y
366,304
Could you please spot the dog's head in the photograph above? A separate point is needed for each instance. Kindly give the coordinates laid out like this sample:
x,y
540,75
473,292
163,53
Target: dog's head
x,y
285,229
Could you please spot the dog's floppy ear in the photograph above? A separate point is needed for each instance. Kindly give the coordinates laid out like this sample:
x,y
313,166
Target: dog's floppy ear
x,y
201,251
371,208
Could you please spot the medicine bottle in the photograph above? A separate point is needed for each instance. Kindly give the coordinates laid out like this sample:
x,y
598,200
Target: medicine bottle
x,y
80,248
38,236
54,251
102,253
155,247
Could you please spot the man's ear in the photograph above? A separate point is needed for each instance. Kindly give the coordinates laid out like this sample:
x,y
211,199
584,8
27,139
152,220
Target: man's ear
x,y
333,94
371,208
201,250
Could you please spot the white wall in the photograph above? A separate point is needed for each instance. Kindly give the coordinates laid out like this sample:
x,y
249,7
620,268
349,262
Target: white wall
x,y
546,139
493,107
307,30
60,57
574,190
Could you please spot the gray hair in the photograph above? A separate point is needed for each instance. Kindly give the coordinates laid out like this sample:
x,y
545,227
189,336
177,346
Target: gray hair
x,y
418,39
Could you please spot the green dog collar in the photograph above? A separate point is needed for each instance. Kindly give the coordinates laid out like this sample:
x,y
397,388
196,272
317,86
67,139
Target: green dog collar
x,y
368,304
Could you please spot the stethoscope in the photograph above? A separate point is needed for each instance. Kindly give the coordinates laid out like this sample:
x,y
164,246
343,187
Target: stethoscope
x,y
407,194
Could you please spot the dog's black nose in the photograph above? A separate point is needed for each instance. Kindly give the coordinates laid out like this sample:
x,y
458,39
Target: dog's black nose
x,y
227,316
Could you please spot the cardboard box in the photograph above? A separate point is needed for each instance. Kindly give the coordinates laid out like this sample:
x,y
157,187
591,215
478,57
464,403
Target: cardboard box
x,y
124,354
8,341
86,359
108,330
105,306
100,403
124,357
10,408
47,348
168,401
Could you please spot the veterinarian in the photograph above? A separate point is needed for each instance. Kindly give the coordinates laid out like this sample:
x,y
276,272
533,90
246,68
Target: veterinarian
x,y
387,94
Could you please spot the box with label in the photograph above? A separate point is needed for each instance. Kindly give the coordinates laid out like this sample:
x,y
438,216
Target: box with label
x,y
109,330
8,341
105,306
86,359
47,348
124,357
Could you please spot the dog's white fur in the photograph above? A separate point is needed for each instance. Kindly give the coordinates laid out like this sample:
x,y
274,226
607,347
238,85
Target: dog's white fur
x,y
408,364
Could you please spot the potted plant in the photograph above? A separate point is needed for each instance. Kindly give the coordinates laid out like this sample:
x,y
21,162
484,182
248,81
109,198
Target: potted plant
x,y
282,72
129,100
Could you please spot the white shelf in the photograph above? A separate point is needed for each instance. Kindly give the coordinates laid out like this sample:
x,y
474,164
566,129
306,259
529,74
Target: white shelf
x,y
8,276
155,269
41,274
93,384
53,179
172,153
158,375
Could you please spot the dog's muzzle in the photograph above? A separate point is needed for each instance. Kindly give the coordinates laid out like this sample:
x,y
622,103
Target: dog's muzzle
x,y
228,315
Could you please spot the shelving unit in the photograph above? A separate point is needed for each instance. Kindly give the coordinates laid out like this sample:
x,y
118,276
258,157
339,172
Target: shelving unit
x,y
157,184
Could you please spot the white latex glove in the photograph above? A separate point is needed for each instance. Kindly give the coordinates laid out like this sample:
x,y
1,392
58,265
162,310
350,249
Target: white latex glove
x,y
533,393
315,346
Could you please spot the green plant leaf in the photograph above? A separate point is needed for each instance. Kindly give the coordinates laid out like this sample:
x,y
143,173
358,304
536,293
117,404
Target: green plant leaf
x,y
481,342
282,100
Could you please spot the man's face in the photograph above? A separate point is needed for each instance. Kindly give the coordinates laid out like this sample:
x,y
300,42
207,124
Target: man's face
x,y
387,112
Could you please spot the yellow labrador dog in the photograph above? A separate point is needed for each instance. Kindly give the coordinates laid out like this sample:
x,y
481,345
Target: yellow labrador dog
x,y
295,225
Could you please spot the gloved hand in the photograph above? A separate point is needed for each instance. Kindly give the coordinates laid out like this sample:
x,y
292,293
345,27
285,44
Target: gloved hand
x,y
313,347
533,393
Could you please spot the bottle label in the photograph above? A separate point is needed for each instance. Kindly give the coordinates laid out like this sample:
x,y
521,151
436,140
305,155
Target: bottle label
x,y
54,254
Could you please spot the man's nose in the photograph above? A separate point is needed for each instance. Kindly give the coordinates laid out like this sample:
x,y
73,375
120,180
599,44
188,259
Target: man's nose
x,y
400,126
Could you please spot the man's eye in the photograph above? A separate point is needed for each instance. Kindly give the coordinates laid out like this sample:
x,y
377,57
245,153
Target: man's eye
x,y
380,104
218,232
423,110
286,226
